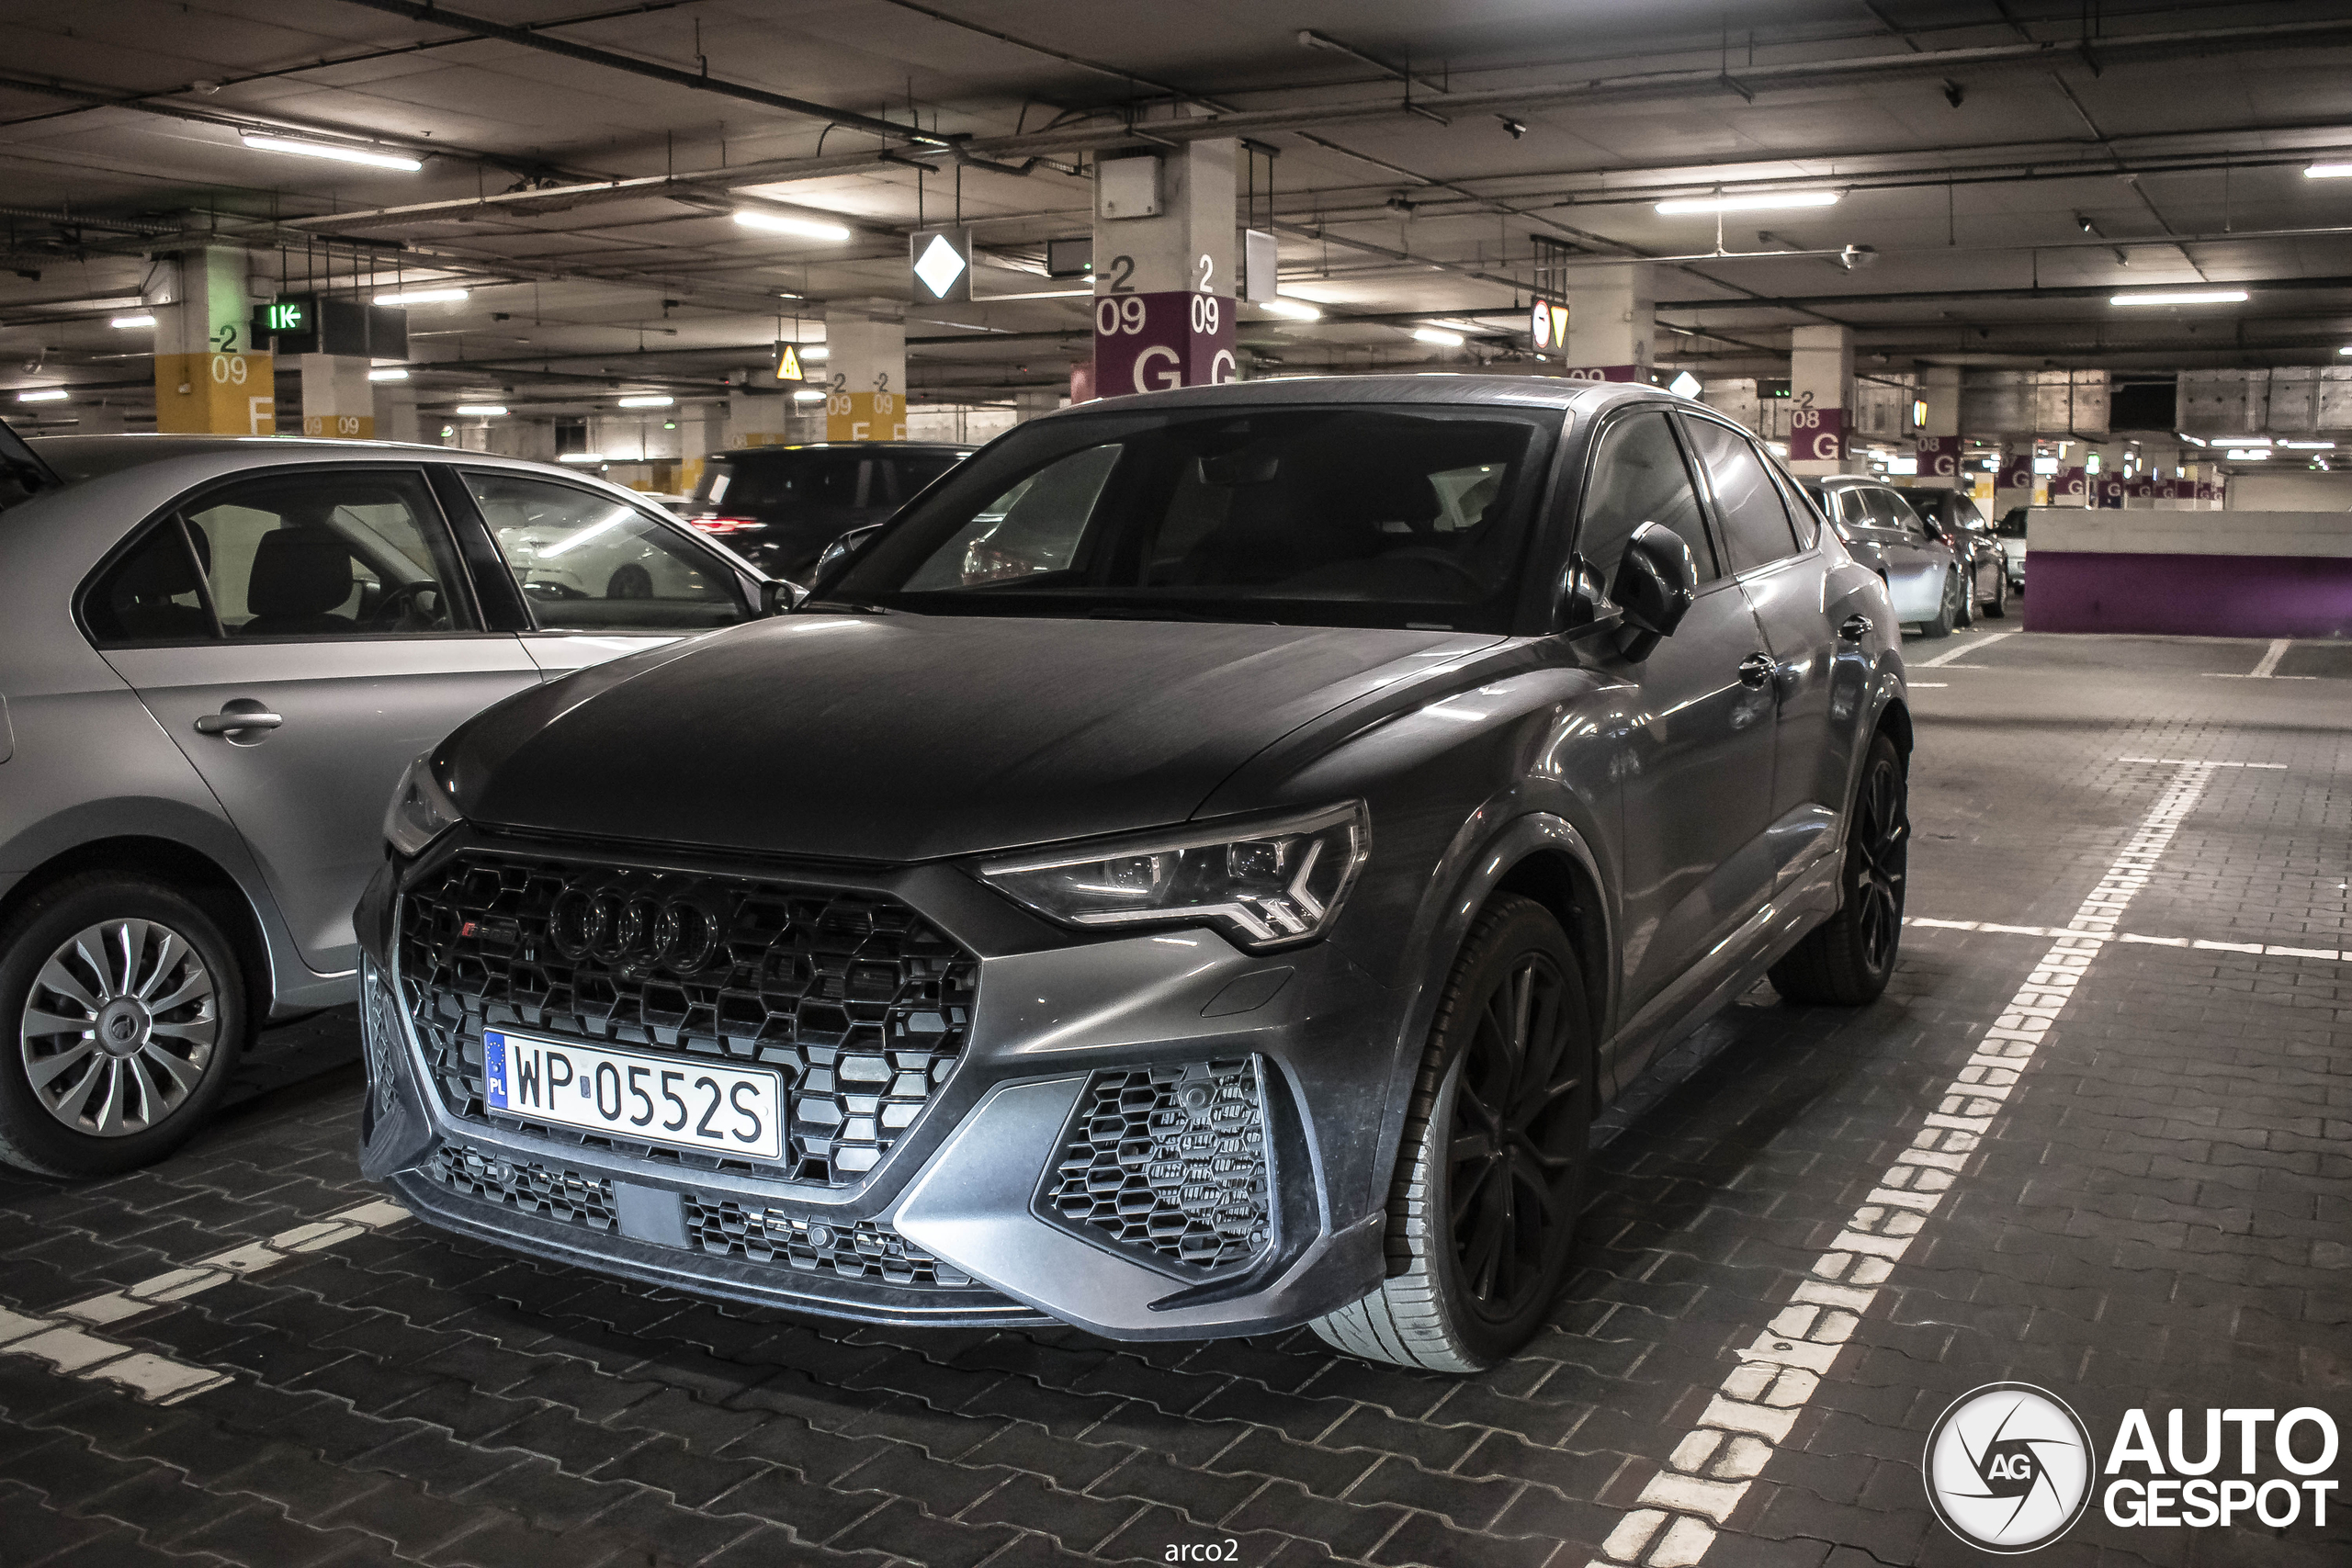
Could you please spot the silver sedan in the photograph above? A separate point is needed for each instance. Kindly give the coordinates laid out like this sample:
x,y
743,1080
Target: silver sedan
x,y
220,655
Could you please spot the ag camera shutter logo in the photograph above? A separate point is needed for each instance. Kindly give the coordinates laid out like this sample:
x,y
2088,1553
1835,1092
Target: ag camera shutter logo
x,y
2008,1468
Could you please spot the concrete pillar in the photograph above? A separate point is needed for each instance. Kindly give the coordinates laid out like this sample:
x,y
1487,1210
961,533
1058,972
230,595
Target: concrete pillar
x,y
1166,268
1938,440
759,409
702,430
208,381
396,412
867,370
1028,402
337,397
1613,321
1821,386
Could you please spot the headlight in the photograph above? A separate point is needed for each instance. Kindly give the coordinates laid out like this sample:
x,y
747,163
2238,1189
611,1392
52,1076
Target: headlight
x,y
420,811
1266,885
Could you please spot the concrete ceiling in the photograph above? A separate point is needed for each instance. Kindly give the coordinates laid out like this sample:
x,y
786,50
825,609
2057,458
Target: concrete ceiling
x,y
2004,166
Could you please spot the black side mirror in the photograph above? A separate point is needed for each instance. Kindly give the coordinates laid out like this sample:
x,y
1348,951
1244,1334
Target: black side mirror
x,y
1656,583
841,549
780,597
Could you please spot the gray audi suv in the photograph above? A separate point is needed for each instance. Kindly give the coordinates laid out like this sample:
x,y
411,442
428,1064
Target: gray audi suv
x,y
1196,872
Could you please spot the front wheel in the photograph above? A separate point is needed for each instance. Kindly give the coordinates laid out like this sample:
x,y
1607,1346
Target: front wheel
x,y
125,1007
1492,1168
1947,612
1848,959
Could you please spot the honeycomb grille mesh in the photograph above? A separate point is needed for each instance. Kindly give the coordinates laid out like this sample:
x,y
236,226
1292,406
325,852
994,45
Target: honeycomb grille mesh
x,y
857,1249
1170,1159
379,1029
545,1190
861,1004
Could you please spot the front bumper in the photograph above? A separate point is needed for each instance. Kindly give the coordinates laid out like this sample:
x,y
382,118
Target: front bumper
x,y
1128,1135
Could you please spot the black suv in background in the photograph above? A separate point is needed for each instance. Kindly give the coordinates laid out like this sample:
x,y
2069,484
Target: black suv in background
x,y
780,506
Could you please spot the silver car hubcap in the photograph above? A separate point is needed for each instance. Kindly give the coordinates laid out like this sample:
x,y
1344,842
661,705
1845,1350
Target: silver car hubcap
x,y
121,1023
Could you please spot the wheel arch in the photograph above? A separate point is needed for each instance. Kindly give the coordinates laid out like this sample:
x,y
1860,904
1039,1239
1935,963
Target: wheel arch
x,y
1567,888
189,871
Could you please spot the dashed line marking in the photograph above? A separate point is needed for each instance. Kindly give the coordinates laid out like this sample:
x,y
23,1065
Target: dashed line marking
x,y
74,1352
2200,763
1973,645
2269,950
1680,1512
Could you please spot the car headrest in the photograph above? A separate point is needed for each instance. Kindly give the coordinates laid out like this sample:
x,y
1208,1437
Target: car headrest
x,y
298,571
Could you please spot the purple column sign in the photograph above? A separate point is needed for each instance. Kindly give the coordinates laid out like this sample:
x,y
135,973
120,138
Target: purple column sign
x,y
1148,342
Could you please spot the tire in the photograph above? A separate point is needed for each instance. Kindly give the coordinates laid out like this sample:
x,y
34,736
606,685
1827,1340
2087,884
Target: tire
x,y
1997,608
1847,960
1945,613
97,1110
1439,1311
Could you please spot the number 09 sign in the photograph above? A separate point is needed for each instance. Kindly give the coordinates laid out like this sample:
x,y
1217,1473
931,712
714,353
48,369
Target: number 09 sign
x,y
1151,342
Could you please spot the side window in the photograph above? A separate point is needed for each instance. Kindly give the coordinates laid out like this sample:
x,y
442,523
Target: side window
x,y
154,595
1036,526
588,563
1638,477
322,554
1878,507
1747,503
1900,516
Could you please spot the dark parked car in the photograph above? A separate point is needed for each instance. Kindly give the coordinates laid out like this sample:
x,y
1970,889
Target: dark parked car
x,y
1956,520
780,506
1878,524
2009,533
219,654
1197,871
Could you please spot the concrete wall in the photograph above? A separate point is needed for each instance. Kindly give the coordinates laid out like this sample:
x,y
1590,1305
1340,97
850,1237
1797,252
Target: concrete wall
x,y
2291,490
2266,574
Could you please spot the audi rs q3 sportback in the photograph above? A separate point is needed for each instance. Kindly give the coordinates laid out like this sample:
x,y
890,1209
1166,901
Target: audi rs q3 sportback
x,y
216,655
1196,872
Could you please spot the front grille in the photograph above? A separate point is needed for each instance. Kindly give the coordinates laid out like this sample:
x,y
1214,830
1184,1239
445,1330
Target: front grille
x,y
380,1034
547,1192
861,1003
854,1249
1171,1160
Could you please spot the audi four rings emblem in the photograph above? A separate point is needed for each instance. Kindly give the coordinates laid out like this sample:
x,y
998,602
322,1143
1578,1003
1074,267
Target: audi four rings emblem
x,y
618,924
2008,1467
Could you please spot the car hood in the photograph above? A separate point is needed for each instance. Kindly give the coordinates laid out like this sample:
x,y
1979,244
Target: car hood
x,y
903,738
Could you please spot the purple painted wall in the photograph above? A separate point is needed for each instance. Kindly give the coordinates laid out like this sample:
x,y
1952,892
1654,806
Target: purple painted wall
x,y
2070,590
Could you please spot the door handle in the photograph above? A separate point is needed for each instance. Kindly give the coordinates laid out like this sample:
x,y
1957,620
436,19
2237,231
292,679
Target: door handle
x,y
226,723
1854,628
1756,669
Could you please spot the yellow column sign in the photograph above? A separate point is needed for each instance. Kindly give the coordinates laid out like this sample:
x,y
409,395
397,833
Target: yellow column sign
x,y
219,394
864,416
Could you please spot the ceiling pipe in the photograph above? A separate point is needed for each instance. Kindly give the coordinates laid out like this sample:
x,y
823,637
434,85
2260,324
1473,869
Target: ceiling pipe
x,y
440,16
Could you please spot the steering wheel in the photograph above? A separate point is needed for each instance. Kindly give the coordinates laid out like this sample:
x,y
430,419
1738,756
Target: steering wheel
x,y
1437,556
400,603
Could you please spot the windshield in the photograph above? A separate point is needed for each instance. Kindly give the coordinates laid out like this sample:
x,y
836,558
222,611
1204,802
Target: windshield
x,y
1312,516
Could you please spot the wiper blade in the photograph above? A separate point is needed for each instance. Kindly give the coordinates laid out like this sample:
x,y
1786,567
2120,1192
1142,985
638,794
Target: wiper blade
x,y
1138,613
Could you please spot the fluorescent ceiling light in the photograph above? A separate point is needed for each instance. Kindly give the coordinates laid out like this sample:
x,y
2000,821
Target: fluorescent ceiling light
x,y
2192,440
2309,445
45,395
340,153
580,457
1437,335
132,321
807,228
2328,171
2182,297
2249,454
422,296
1297,310
1685,386
814,351
651,400
397,373
1763,202
485,411
808,395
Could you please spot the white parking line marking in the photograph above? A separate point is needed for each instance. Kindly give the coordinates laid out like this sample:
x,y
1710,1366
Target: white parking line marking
x,y
159,1379
1973,645
2269,949
2195,762
1926,685
2277,652
1679,1513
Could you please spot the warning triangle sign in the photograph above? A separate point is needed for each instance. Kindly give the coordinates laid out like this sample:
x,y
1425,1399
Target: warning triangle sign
x,y
787,363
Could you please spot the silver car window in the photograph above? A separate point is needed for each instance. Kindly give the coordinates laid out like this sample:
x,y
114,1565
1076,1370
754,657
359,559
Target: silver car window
x,y
587,562
1034,527
153,593
1748,504
1638,477
357,553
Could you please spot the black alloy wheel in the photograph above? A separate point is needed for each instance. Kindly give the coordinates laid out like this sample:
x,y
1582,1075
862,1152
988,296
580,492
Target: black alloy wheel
x,y
1848,959
1514,1158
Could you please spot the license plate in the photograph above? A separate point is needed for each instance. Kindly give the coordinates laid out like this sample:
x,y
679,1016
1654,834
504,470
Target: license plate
x,y
686,1103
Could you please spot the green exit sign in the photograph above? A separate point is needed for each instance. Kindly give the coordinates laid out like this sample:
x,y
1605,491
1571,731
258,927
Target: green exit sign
x,y
287,316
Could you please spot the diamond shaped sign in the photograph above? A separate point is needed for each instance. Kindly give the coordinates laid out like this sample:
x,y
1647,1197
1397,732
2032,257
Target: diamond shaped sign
x,y
943,263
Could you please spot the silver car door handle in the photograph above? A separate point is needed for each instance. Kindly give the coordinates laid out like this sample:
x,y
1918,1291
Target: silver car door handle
x,y
1854,628
1756,669
230,723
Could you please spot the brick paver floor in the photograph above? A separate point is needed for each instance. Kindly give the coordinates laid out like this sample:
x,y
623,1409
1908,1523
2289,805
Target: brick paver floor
x,y
2159,1217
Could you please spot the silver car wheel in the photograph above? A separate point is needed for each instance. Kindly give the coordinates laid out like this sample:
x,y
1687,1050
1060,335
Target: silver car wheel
x,y
120,1027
